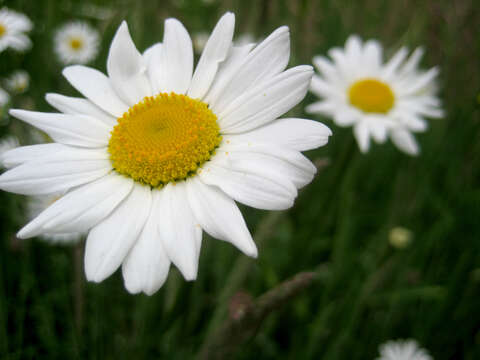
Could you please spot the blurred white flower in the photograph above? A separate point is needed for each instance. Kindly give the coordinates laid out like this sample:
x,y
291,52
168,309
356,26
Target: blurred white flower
x,y
13,26
400,237
4,97
402,350
76,43
160,150
379,100
35,206
199,40
18,82
8,143
244,39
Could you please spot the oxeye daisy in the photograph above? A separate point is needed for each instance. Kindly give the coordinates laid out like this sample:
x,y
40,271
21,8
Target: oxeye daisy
x,y
8,143
402,350
76,43
35,205
199,41
4,97
13,26
156,152
379,100
18,82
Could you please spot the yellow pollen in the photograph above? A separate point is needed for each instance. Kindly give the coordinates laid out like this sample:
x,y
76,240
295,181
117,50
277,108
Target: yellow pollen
x,y
163,139
3,30
76,43
371,96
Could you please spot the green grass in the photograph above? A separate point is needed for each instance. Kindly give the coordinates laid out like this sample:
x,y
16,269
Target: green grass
x,y
366,292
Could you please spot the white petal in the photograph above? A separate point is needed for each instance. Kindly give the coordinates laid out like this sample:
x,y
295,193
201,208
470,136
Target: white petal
x,y
322,107
219,216
146,266
126,68
215,51
324,89
372,54
23,154
404,141
353,47
421,81
249,188
96,87
178,230
43,177
109,242
76,130
411,64
267,101
19,42
361,132
156,67
176,57
345,117
281,165
296,134
268,59
80,209
226,71
394,63
326,68
378,130
79,106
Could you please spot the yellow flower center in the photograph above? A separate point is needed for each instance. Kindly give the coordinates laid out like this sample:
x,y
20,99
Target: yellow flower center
x,y
76,43
163,138
371,96
3,30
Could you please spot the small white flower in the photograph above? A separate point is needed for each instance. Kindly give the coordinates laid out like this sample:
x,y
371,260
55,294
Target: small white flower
x,y
36,204
76,43
8,143
245,39
13,26
379,100
4,97
402,350
18,82
159,150
199,40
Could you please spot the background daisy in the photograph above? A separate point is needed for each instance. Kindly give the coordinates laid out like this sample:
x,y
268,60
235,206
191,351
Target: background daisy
x,y
402,350
18,82
13,26
76,43
378,99
4,97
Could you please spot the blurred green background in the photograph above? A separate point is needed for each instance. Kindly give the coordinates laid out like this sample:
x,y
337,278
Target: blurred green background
x,y
366,291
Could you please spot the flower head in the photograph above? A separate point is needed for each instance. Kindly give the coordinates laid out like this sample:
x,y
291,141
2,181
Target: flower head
x,y
158,151
4,97
13,26
76,43
400,237
402,350
18,82
8,143
378,99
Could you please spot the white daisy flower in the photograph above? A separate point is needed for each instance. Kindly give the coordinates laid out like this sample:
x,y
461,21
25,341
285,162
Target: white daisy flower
x,y
13,26
402,350
158,152
8,143
18,81
379,100
37,204
4,97
76,43
199,41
